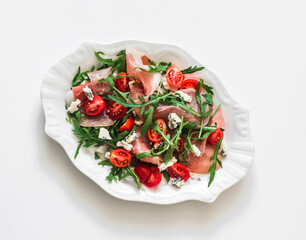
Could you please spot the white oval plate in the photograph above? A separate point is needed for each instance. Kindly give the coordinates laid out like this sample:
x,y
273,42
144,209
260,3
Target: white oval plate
x,y
238,140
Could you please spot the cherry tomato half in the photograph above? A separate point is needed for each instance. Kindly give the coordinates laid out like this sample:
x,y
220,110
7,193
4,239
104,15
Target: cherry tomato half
x,y
215,136
178,170
122,84
155,137
190,83
127,126
120,158
150,176
180,146
155,177
174,77
115,111
143,171
94,107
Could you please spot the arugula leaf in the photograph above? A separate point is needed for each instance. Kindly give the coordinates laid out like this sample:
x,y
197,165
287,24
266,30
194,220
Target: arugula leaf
x,y
166,175
118,65
192,69
161,67
177,135
105,162
121,173
215,159
81,76
148,120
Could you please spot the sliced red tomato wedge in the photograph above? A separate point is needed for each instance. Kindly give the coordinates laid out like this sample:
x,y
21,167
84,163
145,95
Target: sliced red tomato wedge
x,y
190,83
155,137
215,136
174,77
115,111
178,170
143,171
180,146
127,126
120,158
94,107
122,84
150,176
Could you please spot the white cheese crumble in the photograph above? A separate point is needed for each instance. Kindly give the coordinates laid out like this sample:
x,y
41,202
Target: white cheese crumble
x,y
156,145
177,182
163,166
138,122
132,137
166,85
101,151
107,155
223,151
174,120
125,145
88,93
197,151
185,96
104,134
74,106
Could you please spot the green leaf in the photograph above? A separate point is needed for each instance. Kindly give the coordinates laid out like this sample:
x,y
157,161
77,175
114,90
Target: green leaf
x,y
166,175
215,159
104,163
192,69
161,67
148,120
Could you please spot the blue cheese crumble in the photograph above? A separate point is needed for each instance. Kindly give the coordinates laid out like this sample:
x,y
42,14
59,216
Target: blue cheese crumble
x,y
196,150
174,121
163,166
104,134
74,106
125,145
132,137
177,182
88,93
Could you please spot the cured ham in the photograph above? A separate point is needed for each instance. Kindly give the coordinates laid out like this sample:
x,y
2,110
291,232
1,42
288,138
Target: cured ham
x,y
96,88
102,120
141,145
201,163
149,81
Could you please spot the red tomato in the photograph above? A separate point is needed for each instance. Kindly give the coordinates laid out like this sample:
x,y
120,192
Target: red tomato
x,y
115,111
178,170
180,146
150,176
127,126
94,107
155,137
155,177
143,171
120,158
215,136
190,83
122,84
174,77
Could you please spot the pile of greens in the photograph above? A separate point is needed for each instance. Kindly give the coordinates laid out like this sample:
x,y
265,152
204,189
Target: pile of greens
x,y
88,136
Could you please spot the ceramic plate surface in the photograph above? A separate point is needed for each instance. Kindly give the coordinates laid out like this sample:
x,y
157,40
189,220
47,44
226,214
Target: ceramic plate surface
x,y
238,139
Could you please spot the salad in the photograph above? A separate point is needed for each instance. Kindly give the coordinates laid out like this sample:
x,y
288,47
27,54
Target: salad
x,y
147,120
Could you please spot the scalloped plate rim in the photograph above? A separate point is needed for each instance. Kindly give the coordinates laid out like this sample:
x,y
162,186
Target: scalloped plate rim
x,y
179,197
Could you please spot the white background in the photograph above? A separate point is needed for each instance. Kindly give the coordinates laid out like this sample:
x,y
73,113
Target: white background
x,y
257,48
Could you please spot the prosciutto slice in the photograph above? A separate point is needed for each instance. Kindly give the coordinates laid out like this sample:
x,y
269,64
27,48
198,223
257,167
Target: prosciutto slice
x,y
149,81
102,120
142,144
96,88
201,163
